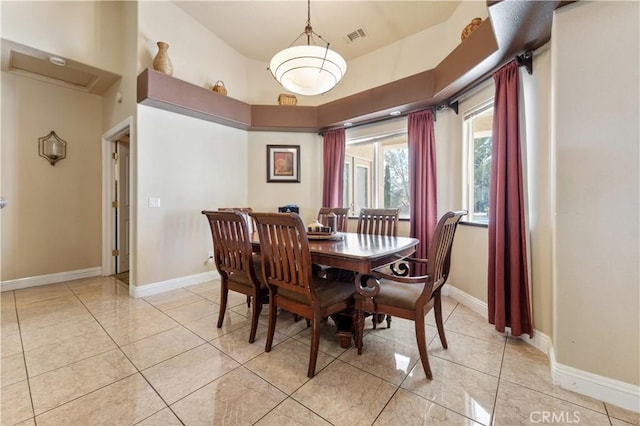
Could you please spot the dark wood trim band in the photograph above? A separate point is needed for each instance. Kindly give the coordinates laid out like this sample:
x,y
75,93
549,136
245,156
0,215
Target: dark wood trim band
x,y
513,27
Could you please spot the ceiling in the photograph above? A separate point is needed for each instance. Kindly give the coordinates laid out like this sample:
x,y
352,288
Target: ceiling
x,y
259,29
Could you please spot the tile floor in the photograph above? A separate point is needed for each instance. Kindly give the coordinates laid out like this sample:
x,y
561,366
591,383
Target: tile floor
x,y
84,353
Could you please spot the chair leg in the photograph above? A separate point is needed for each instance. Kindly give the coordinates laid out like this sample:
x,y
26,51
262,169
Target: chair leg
x,y
359,328
315,344
255,315
388,321
248,301
224,290
437,311
422,345
273,314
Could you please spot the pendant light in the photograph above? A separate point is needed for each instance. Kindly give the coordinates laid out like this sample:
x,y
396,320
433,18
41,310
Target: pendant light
x,y
308,69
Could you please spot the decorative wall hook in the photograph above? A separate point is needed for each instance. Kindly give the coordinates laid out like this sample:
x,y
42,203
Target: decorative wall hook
x,y
52,148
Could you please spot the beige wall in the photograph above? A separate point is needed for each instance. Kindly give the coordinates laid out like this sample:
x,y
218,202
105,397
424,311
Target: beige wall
x,y
198,56
53,220
86,31
190,165
596,103
269,196
389,63
536,105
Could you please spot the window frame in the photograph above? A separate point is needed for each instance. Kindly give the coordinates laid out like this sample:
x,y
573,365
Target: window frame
x,y
379,143
468,163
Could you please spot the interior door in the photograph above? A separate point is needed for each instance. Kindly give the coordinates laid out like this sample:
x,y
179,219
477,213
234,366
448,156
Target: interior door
x,y
122,213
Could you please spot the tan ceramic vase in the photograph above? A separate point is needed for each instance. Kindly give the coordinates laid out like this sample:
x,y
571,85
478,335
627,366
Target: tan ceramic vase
x,y
162,62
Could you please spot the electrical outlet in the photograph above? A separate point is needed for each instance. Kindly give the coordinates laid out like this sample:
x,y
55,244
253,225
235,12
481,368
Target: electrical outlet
x,y
210,258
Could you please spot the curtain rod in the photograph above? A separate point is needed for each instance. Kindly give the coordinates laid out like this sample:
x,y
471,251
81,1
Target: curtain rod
x,y
523,60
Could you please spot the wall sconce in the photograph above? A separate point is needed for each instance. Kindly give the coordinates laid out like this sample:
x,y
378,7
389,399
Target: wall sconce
x,y
52,148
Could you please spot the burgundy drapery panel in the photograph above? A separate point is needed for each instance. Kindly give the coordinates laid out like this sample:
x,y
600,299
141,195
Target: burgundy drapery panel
x,y
332,185
508,287
423,209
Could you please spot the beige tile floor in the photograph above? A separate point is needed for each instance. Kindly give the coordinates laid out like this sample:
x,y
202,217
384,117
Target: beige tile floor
x,y
84,353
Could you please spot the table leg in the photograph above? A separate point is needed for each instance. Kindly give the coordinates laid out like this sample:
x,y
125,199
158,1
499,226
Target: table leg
x,y
344,326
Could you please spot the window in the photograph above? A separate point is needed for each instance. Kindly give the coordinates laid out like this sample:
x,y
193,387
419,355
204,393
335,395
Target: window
x,y
376,173
478,125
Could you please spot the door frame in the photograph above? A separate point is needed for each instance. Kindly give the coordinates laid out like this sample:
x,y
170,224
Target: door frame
x,y
109,140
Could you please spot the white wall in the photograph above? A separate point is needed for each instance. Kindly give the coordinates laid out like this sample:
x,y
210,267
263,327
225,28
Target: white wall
x,y
190,165
595,134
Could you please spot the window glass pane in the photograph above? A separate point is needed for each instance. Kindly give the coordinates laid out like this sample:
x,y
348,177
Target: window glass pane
x,y
346,193
396,179
361,188
478,126
378,173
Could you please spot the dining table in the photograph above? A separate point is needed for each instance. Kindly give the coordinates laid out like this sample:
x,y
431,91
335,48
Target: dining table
x,y
359,253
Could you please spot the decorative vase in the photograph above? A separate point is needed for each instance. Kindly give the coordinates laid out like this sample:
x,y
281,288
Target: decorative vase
x,y
162,62
471,27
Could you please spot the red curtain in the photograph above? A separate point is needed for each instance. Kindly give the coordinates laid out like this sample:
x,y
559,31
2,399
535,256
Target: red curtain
x,y
332,185
508,275
423,207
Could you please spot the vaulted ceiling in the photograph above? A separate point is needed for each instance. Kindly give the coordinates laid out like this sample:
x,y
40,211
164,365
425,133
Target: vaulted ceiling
x,y
259,29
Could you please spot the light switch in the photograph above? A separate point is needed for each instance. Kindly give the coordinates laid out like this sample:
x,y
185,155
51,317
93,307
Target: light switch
x,y
154,202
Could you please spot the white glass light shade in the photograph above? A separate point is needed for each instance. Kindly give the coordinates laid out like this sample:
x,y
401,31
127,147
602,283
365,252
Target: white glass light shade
x,y
306,71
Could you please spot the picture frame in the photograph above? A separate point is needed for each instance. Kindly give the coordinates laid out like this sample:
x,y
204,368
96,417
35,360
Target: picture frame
x,y
283,163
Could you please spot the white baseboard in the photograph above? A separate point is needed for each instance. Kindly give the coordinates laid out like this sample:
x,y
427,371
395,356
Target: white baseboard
x,y
50,278
613,391
172,284
476,305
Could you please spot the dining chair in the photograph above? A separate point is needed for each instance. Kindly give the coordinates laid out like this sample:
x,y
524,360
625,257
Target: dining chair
x,y
341,217
252,229
239,268
411,297
378,222
286,268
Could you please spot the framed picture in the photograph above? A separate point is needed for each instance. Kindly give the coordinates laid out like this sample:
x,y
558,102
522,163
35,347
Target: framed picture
x,y
283,163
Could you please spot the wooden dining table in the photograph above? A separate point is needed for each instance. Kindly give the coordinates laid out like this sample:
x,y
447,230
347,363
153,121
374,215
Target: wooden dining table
x,y
360,253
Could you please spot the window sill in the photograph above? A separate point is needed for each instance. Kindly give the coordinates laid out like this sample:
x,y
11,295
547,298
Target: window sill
x,y
475,224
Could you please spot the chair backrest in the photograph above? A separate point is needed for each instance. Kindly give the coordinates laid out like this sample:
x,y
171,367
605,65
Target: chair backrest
x,y
439,254
232,252
341,215
286,259
378,222
245,213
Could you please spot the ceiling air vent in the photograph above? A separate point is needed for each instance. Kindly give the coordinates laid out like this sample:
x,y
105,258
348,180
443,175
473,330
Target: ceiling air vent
x,y
356,35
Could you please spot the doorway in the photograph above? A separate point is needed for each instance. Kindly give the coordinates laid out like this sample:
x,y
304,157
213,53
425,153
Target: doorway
x,y
122,208
116,202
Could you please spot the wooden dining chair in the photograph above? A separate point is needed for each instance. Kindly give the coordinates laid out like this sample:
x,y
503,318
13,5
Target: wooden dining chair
x,y
239,268
286,268
342,217
378,222
412,297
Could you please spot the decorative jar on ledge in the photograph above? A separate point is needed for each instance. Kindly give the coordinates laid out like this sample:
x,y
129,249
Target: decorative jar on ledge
x,y
162,62
471,27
